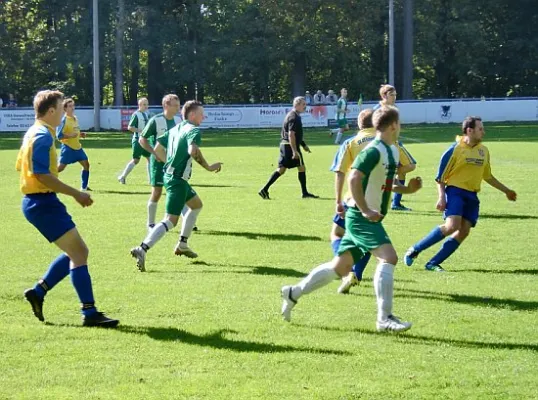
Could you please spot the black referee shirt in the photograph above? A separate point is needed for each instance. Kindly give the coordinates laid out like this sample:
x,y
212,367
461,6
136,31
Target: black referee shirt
x,y
292,122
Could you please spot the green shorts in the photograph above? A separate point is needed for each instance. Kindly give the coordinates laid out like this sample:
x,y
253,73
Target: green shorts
x,y
342,123
138,151
178,192
361,235
156,173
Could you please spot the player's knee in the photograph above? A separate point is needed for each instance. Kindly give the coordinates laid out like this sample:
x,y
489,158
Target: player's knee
x,y
451,227
412,167
281,171
136,161
61,167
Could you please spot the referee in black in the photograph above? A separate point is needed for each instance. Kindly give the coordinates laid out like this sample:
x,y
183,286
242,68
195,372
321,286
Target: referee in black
x,y
290,152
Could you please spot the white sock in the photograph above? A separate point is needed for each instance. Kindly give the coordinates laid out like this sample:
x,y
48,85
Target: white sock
x,y
384,288
338,137
128,168
185,210
320,276
189,220
149,172
152,212
157,232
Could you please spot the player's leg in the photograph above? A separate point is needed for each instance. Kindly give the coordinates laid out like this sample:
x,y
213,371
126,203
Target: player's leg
x,y
61,167
342,127
407,165
71,243
194,204
85,174
301,175
137,154
64,158
384,289
284,160
320,276
156,193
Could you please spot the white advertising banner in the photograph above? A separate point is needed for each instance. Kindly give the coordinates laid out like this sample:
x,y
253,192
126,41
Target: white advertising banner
x,y
429,112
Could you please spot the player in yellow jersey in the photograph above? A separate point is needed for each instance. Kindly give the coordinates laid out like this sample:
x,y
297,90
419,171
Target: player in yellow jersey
x,y
343,160
461,171
71,152
39,183
407,162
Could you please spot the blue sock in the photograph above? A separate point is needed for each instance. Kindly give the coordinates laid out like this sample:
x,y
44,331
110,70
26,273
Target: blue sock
x,y
83,285
335,245
85,178
449,246
397,197
429,240
360,266
57,271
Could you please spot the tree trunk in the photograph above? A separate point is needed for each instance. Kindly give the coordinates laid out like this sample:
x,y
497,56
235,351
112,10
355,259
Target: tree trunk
x,y
155,74
120,28
408,39
299,75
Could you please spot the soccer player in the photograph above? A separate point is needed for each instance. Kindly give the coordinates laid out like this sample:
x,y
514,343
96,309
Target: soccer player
x,y
178,147
138,121
340,116
461,171
155,128
371,182
71,152
407,162
290,152
343,160
39,183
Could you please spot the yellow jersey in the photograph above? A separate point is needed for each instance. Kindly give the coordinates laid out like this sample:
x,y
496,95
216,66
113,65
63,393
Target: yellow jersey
x,y
37,155
464,166
69,126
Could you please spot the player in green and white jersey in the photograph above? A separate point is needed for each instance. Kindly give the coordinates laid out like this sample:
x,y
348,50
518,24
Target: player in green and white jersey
x,y
340,116
138,121
371,182
156,128
179,146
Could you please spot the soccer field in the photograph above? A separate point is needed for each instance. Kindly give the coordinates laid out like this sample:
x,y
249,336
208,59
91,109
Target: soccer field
x,y
211,328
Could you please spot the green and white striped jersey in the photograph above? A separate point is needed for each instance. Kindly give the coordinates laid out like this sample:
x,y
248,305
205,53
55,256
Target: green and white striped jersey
x,y
341,107
177,141
378,162
138,120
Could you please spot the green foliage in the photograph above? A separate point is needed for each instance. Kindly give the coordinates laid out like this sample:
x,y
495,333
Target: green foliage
x,y
258,50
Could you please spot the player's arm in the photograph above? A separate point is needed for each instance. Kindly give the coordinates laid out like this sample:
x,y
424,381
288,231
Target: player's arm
x,y
510,194
160,152
61,132
293,144
444,167
41,170
305,147
133,124
362,166
414,185
149,130
197,155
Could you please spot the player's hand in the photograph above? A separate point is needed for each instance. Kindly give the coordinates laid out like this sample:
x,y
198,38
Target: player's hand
x,y
340,210
306,148
511,195
295,155
372,215
83,135
84,199
215,167
441,204
158,158
415,184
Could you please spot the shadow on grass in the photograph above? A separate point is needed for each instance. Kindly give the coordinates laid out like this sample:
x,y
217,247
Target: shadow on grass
x,y
239,269
266,236
409,338
511,304
148,192
203,185
501,271
482,216
218,340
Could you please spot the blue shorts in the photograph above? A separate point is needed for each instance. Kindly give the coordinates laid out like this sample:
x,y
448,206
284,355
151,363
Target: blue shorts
x,y
463,203
48,214
338,220
70,156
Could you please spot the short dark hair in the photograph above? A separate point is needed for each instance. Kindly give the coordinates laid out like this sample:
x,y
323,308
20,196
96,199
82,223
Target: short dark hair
x,y
365,118
46,99
469,122
384,117
67,101
190,106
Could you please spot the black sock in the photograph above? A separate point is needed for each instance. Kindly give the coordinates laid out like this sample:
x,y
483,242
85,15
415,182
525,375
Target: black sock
x,y
302,179
271,180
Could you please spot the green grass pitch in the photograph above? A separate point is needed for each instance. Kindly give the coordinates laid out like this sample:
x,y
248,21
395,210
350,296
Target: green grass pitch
x,y
211,328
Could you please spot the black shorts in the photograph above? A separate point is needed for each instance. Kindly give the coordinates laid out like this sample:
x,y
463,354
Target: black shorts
x,y
286,157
